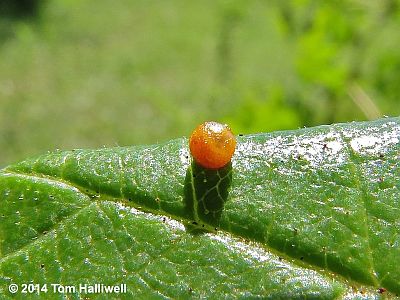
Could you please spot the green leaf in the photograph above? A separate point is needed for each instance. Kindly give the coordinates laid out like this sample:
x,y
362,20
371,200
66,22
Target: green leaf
x,y
311,213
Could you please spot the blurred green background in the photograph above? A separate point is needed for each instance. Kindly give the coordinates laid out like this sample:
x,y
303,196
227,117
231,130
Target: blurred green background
x,y
86,73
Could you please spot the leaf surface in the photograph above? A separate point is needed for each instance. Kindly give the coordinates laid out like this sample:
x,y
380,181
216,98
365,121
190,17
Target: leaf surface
x,y
311,213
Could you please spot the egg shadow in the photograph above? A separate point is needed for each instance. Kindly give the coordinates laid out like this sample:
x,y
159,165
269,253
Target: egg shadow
x,y
206,192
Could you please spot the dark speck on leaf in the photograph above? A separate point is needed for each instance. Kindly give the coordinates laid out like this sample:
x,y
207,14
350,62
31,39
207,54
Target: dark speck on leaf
x,y
325,147
280,258
164,219
301,258
42,266
240,134
382,290
190,290
381,155
195,223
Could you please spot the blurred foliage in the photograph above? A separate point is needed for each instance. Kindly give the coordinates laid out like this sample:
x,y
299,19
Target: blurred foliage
x,y
19,8
135,72
254,112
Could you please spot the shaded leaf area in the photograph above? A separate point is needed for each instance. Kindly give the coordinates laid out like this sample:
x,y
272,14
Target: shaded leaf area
x,y
206,192
324,198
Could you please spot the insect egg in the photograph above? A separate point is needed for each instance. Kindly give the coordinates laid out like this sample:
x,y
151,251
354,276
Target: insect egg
x,y
212,145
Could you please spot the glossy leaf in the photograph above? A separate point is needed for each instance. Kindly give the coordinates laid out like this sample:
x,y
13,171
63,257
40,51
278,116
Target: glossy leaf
x,y
312,213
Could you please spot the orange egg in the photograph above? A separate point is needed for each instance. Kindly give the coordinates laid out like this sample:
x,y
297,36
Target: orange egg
x,y
212,145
